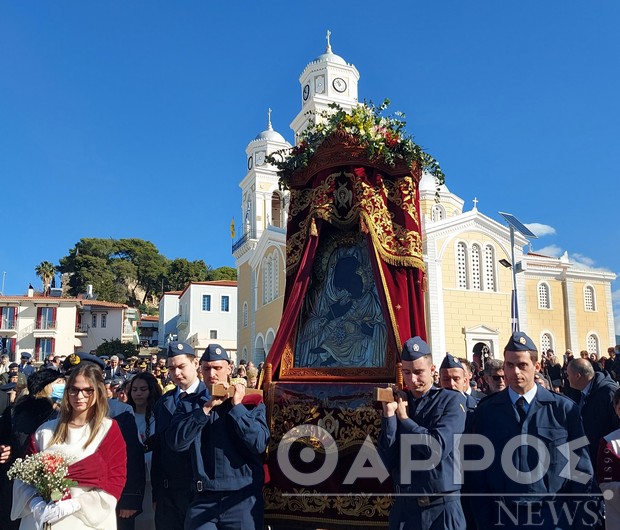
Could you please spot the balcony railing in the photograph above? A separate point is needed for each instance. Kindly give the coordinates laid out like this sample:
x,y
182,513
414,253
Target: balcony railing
x,y
245,237
7,324
45,324
81,328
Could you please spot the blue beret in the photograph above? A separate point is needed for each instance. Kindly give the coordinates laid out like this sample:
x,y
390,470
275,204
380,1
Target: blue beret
x,y
450,361
180,348
25,355
519,341
75,359
214,352
413,349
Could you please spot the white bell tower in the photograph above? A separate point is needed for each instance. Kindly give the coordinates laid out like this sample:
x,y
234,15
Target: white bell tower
x,y
327,79
260,184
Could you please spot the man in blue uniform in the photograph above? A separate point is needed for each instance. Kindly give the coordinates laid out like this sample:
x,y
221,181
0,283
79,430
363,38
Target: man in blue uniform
x,y
171,472
427,498
522,489
227,437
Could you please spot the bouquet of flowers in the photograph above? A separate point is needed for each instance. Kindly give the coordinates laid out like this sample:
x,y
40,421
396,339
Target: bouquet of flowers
x,y
46,472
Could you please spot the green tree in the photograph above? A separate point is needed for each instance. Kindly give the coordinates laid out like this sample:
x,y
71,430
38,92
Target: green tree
x,y
46,272
116,347
223,273
181,271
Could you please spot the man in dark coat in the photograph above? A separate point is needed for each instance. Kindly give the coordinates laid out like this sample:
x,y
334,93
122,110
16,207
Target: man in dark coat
x,y
428,497
594,393
227,438
522,489
171,471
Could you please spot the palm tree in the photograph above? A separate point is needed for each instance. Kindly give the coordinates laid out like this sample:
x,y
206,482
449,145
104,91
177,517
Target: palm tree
x,y
46,271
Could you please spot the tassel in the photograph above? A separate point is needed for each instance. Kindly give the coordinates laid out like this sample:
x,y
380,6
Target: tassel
x,y
313,230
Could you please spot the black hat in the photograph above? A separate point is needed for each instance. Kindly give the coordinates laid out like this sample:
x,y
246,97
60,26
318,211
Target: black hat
x,y
13,365
76,359
519,341
414,348
37,381
116,382
450,361
180,348
214,352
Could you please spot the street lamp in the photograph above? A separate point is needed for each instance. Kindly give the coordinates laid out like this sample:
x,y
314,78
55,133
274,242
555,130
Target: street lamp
x,y
514,224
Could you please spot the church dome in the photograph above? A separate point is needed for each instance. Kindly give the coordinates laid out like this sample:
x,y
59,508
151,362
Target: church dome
x,y
427,183
330,58
269,134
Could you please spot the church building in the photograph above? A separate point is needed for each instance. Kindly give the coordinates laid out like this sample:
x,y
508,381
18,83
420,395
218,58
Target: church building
x,y
469,276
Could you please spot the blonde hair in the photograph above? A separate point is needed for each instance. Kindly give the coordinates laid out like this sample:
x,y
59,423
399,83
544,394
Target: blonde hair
x,y
99,408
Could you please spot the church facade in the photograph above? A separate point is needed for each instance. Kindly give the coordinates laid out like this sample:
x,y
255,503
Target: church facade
x,y
468,292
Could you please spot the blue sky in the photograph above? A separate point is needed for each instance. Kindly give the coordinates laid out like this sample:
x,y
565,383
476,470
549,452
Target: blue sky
x,y
130,119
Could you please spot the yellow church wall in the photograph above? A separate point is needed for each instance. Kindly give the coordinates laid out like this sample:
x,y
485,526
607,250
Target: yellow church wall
x,y
591,321
553,320
243,295
467,308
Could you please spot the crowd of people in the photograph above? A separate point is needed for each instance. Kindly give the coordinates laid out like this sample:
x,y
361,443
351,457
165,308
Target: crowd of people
x,y
152,447
113,419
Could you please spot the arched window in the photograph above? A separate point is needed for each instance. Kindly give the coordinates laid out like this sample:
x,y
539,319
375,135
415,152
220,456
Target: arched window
x,y
475,267
546,342
592,344
544,297
437,213
245,314
589,298
489,268
276,210
461,264
259,350
271,269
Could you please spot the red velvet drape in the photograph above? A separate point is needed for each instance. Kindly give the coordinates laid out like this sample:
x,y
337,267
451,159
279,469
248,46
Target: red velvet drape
x,y
386,209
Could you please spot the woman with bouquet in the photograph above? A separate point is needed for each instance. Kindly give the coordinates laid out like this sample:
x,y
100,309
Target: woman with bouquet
x,y
95,449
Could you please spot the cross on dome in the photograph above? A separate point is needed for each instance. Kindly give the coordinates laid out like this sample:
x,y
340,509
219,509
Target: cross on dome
x,y
475,201
329,46
269,127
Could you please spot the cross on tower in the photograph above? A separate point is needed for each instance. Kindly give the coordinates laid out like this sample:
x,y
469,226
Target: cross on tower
x,y
475,201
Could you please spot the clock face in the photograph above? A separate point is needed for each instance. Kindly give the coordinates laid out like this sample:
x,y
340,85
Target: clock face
x,y
306,92
339,84
260,158
250,162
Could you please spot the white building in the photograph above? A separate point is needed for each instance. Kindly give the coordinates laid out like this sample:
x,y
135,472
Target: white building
x,y
41,325
168,316
206,313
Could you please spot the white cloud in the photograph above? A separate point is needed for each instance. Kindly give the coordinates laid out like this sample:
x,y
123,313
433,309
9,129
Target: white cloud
x,y
550,250
581,261
540,229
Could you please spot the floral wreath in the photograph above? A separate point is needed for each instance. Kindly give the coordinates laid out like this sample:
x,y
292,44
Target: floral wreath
x,y
383,137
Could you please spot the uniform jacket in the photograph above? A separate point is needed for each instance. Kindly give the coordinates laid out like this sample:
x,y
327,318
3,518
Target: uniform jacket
x,y
227,446
440,413
175,468
554,420
597,411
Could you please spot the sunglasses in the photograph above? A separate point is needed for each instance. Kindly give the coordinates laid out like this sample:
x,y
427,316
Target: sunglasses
x,y
498,378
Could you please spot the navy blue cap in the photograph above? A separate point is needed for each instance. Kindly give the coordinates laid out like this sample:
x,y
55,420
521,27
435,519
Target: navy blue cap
x,y
25,355
214,352
519,341
75,359
414,348
13,365
180,348
450,361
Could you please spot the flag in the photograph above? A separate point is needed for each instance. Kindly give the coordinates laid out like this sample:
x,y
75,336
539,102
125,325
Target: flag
x,y
232,228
